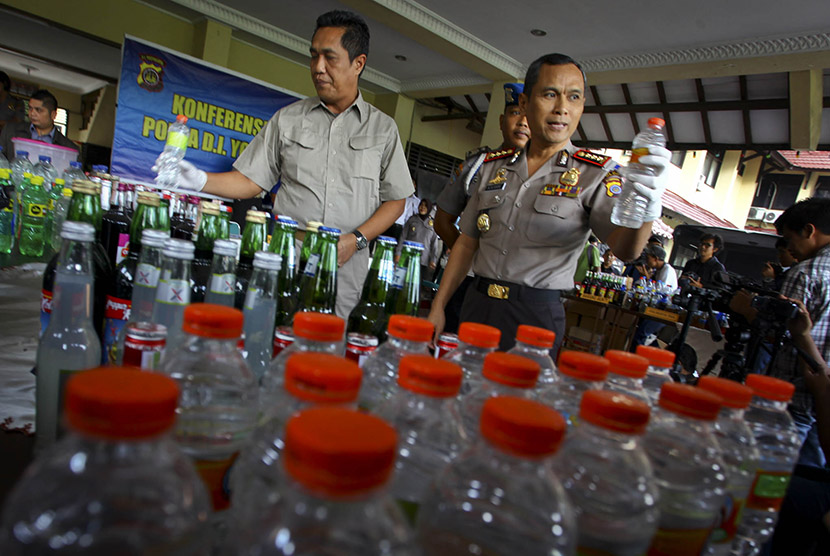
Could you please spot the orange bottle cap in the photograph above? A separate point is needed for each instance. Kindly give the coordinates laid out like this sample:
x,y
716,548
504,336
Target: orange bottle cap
x,y
657,121
338,452
732,394
535,336
479,335
522,427
212,321
319,326
409,328
426,375
770,388
511,370
614,411
322,377
689,401
656,356
626,364
121,403
584,366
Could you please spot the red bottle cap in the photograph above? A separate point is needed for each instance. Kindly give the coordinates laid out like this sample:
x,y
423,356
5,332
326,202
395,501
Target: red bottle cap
x,y
479,335
535,336
770,388
322,378
522,427
584,366
212,321
409,328
511,370
626,364
731,393
319,326
689,401
426,375
614,411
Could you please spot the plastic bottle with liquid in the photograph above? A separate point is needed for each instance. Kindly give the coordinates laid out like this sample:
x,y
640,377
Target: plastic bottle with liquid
x,y
175,148
173,290
220,288
260,311
475,342
578,373
536,343
629,208
626,373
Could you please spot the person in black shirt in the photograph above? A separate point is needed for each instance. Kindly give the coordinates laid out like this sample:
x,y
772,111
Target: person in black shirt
x,y
701,269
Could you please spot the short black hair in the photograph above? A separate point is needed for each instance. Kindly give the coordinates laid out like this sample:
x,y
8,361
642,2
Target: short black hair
x,y
5,81
592,239
47,98
717,241
655,239
555,59
781,243
356,38
815,211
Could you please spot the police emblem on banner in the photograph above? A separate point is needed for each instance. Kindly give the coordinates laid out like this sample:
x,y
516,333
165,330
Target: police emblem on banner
x,y
150,73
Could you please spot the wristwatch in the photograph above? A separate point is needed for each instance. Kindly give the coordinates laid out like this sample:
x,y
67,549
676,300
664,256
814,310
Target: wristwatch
x,y
362,242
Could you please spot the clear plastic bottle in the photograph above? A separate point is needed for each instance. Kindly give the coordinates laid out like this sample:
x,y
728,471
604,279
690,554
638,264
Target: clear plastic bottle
x,y
317,332
261,311
779,444
740,455
630,207
117,484
578,373
475,341
690,472
311,379
168,172
7,214
425,414
173,290
535,343
336,463
660,362
504,374
220,288
34,204
69,343
53,197
608,477
501,497
20,165
218,405
44,169
72,173
626,372
59,217
406,336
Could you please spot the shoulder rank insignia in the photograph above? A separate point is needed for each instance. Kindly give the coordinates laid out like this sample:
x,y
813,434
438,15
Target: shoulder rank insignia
x,y
613,183
591,158
503,153
571,177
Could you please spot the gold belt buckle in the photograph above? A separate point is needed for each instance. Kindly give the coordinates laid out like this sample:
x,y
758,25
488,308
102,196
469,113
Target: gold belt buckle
x,y
498,292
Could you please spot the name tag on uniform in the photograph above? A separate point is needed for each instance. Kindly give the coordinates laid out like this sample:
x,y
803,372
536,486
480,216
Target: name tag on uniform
x,y
494,187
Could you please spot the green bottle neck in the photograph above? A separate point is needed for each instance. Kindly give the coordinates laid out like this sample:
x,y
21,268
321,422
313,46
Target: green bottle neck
x,y
252,239
145,217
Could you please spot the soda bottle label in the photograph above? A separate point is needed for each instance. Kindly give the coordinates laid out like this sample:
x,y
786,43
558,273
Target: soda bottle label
x,y
116,315
177,139
250,298
678,542
173,292
147,275
222,283
637,153
45,310
123,247
386,272
731,514
768,490
311,265
35,210
399,277
215,475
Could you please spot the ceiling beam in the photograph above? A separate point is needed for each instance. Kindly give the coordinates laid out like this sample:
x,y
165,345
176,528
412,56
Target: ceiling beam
x,y
711,106
704,114
744,112
806,90
455,116
440,35
602,117
622,145
661,94
627,96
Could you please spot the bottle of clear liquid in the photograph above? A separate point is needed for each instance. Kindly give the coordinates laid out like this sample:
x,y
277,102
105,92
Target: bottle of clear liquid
x,y
336,462
218,404
740,455
779,444
69,343
20,165
173,290
501,497
34,206
53,196
311,379
116,484
220,289
260,311
74,172
687,464
178,135
536,343
7,214
608,477
629,209
475,342
578,373
407,336
626,373
253,240
660,362
317,332
4,162
425,414
44,169
503,374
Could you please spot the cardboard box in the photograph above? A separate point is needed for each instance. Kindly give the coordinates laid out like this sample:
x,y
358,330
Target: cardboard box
x,y
580,339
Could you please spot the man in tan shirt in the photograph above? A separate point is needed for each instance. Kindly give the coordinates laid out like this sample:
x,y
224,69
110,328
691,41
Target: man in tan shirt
x,y
339,159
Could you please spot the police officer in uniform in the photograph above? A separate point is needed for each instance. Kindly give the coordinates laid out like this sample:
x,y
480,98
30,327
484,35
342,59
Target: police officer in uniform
x,y
420,228
524,227
453,198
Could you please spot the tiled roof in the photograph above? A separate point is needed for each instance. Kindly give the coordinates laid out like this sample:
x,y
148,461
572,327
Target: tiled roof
x,y
674,202
811,160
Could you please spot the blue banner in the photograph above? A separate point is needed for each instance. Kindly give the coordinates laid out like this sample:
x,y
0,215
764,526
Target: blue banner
x,y
225,110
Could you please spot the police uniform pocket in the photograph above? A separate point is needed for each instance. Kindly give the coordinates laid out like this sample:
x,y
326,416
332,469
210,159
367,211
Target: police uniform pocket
x,y
301,156
556,220
366,151
490,199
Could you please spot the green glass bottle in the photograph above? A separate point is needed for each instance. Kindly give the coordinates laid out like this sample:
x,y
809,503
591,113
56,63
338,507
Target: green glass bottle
x,y
282,243
35,205
253,240
405,295
7,214
210,229
164,211
369,315
82,207
309,242
318,284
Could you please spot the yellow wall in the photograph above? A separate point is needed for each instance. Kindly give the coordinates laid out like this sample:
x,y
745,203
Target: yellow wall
x,y
450,137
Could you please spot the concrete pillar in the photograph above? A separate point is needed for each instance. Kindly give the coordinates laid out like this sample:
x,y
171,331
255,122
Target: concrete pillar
x,y
806,92
492,132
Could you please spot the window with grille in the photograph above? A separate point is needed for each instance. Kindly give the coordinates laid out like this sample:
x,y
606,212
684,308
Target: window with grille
x,y
778,191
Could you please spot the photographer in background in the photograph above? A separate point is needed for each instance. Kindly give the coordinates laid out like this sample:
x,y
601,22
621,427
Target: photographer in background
x,y
700,270
774,273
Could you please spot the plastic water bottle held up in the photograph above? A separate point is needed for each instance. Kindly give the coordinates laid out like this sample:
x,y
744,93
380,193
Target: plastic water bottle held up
x,y
168,172
629,209
117,484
